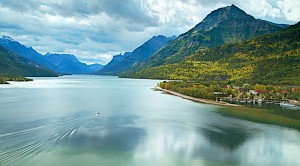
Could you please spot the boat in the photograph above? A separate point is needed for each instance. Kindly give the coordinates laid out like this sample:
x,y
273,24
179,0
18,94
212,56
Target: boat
x,y
259,101
286,104
269,102
277,102
242,101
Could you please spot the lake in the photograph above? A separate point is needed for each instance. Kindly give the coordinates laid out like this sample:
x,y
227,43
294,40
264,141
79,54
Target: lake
x,y
55,121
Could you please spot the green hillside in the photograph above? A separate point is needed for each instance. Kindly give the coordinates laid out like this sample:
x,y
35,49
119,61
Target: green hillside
x,y
268,59
14,67
139,54
225,25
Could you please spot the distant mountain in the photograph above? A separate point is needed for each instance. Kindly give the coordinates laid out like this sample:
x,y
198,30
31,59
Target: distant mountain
x,y
121,63
279,25
29,53
60,63
268,59
115,60
13,64
69,64
225,25
95,67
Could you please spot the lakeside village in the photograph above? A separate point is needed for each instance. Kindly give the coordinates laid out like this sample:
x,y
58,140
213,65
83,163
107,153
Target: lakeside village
x,y
285,96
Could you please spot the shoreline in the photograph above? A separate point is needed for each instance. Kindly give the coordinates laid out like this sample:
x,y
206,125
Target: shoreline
x,y
251,114
206,101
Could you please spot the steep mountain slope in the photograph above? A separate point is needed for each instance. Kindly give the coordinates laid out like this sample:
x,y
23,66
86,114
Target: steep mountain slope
x,y
225,25
139,54
115,60
69,64
13,64
60,63
26,52
268,59
94,67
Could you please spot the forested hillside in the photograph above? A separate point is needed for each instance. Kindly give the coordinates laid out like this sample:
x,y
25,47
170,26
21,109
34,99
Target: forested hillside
x,y
225,25
12,66
139,54
268,59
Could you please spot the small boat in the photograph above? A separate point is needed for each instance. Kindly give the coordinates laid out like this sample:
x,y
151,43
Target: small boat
x,y
269,102
286,104
277,102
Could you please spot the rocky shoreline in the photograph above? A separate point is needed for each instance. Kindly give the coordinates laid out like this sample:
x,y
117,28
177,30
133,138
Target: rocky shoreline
x,y
221,103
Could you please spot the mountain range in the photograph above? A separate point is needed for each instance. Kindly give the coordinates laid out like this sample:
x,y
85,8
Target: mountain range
x,y
225,25
123,63
268,59
12,64
115,60
59,63
229,45
69,64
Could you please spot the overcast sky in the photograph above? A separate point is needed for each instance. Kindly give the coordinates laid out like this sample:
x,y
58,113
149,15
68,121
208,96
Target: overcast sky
x,y
95,30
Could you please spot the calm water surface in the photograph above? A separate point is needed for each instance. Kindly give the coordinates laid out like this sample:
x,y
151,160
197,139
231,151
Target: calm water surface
x,y
54,121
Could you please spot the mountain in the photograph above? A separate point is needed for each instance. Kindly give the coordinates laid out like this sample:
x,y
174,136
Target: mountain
x,y
225,25
69,64
121,63
12,64
95,67
115,60
279,25
268,59
60,63
29,53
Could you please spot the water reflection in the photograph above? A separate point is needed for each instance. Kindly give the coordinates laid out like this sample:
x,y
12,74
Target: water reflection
x,y
113,134
227,137
136,126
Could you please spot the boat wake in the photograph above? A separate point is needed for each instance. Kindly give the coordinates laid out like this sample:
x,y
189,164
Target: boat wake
x,y
21,144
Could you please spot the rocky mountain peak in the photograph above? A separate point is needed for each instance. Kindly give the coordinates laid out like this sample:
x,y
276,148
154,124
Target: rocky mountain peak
x,y
7,38
217,16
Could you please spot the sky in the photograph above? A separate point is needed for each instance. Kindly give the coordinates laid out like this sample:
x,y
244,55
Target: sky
x,y
95,30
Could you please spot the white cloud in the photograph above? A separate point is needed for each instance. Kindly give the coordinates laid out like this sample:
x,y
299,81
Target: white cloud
x,y
262,9
290,9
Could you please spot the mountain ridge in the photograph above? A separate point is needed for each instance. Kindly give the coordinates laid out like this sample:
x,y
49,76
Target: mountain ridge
x,y
224,25
26,52
139,54
267,59
12,64
115,60
69,64
60,63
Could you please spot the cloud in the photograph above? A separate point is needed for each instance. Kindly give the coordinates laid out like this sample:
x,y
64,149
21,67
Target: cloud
x,y
94,30
290,9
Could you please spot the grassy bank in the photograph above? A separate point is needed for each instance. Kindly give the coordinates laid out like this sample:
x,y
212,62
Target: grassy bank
x,y
263,116
201,100
5,78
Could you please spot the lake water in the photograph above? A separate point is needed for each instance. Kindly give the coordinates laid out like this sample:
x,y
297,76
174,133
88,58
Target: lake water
x,y
54,121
